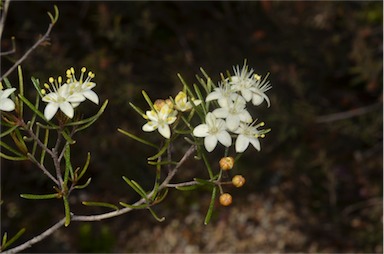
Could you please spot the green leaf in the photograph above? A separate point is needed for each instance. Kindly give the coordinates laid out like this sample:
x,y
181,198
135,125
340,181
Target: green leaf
x,y
36,83
160,197
43,152
146,97
5,133
202,181
137,138
37,196
9,148
102,204
85,166
134,206
162,150
21,87
136,187
68,138
138,110
162,162
155,215
91,120
84,185
12,240
68,165
12,158
35,110
67,211
211,205
200,96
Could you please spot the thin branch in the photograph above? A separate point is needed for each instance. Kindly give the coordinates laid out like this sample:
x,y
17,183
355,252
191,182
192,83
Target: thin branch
x,y
347,114
45,171
3,17
18,62
36,239
174,185
108,215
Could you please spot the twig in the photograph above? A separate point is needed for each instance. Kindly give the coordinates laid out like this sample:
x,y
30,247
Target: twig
x,y
347,114
36,239
18,62
99,217
3,17
33,159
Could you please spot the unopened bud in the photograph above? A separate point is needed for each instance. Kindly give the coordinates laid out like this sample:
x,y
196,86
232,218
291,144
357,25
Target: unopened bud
x,y
226,163
225,199
238,181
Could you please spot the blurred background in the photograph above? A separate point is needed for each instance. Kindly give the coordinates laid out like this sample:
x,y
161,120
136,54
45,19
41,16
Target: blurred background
x,y
316,185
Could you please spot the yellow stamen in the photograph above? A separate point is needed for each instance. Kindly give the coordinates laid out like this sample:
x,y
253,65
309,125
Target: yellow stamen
x,y
51,80
46,85
43,92
83,69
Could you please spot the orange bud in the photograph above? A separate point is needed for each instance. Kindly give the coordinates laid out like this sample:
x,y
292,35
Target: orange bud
x,y
225,199
226,163
238,181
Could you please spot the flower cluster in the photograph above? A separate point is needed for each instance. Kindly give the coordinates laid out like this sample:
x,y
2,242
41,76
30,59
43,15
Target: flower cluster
x,y
232,116
164,113
6,104
67,96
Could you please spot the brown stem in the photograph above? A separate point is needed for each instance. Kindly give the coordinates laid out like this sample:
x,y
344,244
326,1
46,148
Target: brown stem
x,y
18,62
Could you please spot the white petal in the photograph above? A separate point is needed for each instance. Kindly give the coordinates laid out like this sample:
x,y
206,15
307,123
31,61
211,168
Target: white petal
x,y
242,143
245,117
210,119
201,130
51,97
92,96
257,99
76,97
220,112
210,143
224,138
7,92
165,131
256,143
67,109
233,122
7,104
150,126
247,94
212,96
50,110
152,115
171,119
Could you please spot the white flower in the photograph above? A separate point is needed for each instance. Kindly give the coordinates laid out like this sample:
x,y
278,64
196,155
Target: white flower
x,y
6,104
242,81
224,94
160,120
259,89
234,114
248,134
59,98
182,103
83,88
213,130
250,85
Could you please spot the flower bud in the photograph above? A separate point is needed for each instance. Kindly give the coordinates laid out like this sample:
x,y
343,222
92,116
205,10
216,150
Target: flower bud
x,y
238,181
226,163
225,199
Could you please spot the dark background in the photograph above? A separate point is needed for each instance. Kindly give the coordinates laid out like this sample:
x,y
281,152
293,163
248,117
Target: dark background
x,y
314,187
